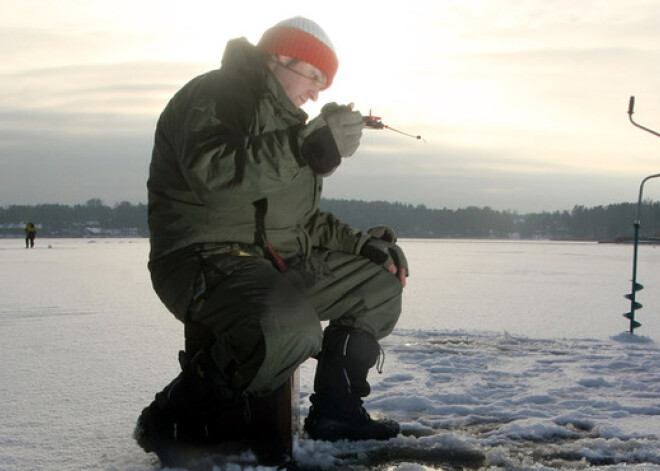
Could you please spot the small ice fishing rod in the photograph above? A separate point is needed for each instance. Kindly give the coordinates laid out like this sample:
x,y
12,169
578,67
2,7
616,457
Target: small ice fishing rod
x,y
375,122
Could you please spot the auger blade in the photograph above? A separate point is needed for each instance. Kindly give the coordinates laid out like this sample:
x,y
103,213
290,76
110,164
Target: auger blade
x,y
628,315
635,305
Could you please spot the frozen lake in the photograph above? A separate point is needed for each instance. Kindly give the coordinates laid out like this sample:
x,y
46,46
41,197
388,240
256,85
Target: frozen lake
x,y
540,289
85,344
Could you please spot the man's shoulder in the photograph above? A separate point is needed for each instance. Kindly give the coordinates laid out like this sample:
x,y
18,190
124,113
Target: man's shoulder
x,y
215,84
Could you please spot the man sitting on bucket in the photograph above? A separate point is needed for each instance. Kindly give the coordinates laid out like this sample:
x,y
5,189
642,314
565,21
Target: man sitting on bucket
x,y
241,252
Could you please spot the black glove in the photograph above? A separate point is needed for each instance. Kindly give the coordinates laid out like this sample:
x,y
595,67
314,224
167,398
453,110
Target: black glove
x,y
334,134
385,253
382,232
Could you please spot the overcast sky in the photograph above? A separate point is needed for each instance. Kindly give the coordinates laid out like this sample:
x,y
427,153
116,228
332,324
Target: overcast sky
x,y
522,103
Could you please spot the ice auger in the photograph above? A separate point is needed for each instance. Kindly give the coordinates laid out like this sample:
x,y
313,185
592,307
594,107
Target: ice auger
x,y
634,305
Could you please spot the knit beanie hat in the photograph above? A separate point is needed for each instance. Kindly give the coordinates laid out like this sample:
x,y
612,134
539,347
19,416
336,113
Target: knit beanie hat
x,y
304,40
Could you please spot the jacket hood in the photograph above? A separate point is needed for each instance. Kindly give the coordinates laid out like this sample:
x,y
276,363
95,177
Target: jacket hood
x,y
246,59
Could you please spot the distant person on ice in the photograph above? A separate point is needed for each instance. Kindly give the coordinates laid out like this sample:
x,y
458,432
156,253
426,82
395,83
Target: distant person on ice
x,y
30,234
242,255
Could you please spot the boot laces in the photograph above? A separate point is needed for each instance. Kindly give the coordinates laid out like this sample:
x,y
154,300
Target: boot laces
x,y
247,411
380,361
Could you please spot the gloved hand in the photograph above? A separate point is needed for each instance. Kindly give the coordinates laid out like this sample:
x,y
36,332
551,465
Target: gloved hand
x,y
382,232
345,125
334,134
387,254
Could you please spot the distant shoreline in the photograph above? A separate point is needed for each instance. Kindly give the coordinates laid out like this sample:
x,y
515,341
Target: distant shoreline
x,y
622,240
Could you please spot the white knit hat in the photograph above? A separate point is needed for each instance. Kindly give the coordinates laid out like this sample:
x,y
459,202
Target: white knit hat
x,y
303,39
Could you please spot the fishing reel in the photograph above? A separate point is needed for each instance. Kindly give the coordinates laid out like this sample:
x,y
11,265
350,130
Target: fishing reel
x,y
373,122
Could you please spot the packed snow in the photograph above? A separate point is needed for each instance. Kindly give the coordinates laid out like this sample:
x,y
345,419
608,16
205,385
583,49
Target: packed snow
x,y
546,377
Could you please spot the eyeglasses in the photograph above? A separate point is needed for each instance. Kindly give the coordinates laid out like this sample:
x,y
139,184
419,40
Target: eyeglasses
x,y
322,82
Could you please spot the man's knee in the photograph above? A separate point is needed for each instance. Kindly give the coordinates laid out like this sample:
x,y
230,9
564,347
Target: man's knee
x,y
257,335
287,345
382,298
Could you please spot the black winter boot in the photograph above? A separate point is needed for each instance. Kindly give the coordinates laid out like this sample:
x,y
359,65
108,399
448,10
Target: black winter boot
x,y
340,384
197,407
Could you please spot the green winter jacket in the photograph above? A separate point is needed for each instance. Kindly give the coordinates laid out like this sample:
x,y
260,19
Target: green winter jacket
x,y
226,169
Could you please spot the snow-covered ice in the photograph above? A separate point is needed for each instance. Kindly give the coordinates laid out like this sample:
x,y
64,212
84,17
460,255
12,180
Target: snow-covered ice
x,y
509,355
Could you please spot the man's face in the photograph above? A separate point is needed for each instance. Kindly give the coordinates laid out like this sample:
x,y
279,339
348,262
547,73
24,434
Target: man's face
x,y
301,81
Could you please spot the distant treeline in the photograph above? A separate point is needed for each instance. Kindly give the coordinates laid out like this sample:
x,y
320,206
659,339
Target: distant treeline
x,y
90,219
609,223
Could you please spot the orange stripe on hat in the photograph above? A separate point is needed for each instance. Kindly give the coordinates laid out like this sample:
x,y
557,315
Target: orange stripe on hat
x,y
303,39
